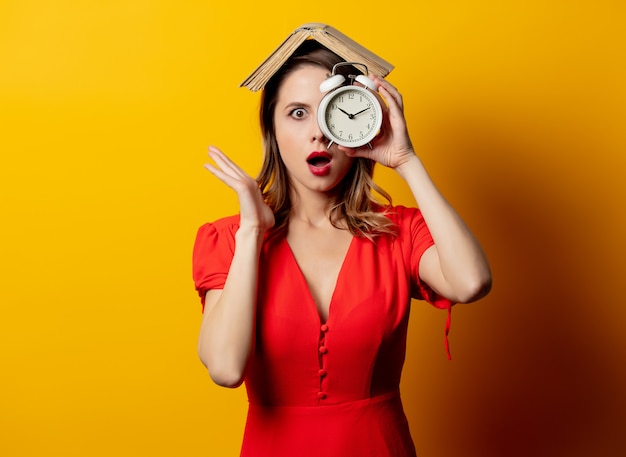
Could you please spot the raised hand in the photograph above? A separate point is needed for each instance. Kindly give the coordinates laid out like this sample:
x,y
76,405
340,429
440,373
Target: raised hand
x,y
254,212
392,147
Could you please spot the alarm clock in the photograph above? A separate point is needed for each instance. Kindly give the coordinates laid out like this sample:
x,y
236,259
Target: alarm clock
x,y
349,115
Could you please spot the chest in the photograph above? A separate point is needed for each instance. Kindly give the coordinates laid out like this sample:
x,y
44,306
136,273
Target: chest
x,y
360,346
370,284
320,257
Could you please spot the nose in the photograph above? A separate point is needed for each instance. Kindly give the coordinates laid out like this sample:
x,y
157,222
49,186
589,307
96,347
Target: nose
x,y
316,134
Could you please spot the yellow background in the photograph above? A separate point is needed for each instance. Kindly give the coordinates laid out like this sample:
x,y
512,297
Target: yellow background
x,y
106,110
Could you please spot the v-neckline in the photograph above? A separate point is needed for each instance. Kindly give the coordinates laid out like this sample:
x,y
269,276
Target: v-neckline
x,y
305,283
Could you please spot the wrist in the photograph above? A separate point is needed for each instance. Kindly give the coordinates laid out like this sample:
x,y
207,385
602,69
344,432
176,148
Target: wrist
x,y
409,164
250,235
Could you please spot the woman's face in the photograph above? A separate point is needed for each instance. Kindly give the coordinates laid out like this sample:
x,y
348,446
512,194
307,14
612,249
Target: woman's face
x,y
310,164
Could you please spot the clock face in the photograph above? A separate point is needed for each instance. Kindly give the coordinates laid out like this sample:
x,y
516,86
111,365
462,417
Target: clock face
x,y
350,116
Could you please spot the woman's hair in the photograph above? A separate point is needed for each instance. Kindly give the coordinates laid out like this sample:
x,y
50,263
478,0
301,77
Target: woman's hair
x,y
358,207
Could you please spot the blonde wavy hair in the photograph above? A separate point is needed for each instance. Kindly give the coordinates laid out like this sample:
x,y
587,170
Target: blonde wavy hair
x,y
361,210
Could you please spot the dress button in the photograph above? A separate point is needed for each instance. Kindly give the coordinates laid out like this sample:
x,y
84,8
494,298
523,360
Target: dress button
x,y
324,328
321,395
322,372
323,349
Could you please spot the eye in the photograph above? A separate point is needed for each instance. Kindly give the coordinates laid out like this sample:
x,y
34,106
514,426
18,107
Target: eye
x,y
298,113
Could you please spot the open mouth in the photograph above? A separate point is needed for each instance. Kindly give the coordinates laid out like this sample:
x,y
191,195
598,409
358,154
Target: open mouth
x,y
319,159
319,162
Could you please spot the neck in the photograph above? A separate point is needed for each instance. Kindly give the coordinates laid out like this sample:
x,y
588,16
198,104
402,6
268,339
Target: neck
x,y
312,208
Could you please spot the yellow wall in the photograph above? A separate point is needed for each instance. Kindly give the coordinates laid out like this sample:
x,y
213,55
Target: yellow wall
x,y
106,110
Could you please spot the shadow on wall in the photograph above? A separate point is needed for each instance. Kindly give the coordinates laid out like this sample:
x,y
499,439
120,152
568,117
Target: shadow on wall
x,y
538,366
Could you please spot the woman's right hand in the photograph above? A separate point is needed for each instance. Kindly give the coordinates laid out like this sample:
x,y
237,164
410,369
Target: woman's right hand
x,y
254,212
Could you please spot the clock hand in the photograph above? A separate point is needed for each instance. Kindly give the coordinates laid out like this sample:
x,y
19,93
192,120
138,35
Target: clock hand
x,y
362,111
350,116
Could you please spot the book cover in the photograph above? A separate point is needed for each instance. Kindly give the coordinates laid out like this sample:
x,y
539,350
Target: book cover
x,y
328,36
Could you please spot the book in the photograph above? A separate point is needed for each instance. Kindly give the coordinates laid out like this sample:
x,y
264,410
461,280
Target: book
x,y
328,36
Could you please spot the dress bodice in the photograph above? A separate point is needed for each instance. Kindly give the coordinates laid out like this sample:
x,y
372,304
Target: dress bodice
x,y
337,378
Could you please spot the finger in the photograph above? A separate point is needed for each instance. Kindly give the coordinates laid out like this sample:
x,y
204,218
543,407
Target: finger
x,y
387,85
225,164
391,94
219,174
225,169
363,151
395,117
221,159
242,186
393,100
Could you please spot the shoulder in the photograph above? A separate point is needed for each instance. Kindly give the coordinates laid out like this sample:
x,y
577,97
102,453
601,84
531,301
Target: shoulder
x,y
403,216
224,223
217,234
411,227
213,251
224,230
228,224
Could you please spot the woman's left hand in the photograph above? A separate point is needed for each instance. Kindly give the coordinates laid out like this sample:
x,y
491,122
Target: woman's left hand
x,y
392,147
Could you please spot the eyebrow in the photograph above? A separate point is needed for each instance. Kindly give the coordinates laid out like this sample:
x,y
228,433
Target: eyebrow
x,y
291,105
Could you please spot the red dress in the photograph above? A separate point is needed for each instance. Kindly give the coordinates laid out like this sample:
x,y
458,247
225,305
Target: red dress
x,y
329,388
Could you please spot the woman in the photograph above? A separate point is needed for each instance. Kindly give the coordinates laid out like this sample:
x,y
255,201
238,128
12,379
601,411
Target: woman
x,y
306,292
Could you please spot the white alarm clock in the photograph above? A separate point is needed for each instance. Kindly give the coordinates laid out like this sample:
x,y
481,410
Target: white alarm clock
x,y
349,115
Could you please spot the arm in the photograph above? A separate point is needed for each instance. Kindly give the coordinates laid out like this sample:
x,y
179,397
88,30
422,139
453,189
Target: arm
x,y
227,333
455,266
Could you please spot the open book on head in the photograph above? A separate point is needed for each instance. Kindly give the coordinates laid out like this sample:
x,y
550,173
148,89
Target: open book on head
x,y
327,36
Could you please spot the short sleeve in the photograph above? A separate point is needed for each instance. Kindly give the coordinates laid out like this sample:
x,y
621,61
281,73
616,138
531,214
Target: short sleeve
x,y
213,252
416,239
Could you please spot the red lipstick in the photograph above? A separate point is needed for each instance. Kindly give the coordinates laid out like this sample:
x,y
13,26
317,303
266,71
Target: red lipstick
x,y
319,162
